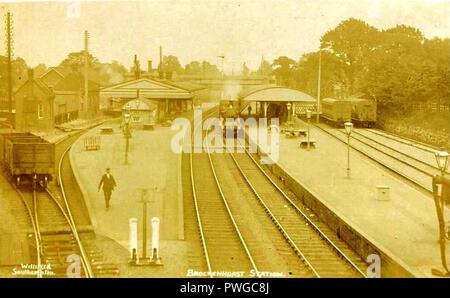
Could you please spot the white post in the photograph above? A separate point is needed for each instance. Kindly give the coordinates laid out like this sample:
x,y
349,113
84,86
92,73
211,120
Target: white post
x,y
133,238
155,241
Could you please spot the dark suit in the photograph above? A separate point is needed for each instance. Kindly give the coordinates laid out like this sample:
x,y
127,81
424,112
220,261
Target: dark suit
x,y
108,187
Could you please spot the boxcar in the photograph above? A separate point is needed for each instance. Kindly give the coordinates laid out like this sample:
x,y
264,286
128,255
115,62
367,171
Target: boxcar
x,y
27,157
336,111
364,111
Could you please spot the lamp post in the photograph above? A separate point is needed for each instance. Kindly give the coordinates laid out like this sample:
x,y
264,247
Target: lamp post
x,y
289,106
319,76
348,129
442,160
308,117
127,117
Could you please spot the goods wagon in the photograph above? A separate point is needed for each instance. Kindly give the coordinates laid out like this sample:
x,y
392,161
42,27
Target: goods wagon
x,y
364,111
336,111
26,157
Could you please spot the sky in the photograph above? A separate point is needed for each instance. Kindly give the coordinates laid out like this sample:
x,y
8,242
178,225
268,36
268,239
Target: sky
x,y
242,31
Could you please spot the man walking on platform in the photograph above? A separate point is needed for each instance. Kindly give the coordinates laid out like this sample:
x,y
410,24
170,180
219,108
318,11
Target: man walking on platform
x,y
108,183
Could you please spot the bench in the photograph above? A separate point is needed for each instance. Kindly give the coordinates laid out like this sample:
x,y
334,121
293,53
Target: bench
x,y
106,130
92,143
290,132
304,143
148,127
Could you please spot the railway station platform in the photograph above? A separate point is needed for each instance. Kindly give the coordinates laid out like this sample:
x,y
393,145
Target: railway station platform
x,y
404,227
151,163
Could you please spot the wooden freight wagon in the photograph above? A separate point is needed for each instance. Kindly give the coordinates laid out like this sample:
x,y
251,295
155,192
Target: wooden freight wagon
x,y
27,157
364,111
336,111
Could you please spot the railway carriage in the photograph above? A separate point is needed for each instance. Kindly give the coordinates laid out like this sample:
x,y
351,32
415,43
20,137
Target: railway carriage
x,y
27,157
336,111
364,111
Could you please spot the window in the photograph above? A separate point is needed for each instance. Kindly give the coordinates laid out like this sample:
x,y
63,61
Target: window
x,y
40,111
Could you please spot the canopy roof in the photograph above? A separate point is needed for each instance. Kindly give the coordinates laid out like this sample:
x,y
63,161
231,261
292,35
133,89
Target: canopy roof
x,y
276,94
151,89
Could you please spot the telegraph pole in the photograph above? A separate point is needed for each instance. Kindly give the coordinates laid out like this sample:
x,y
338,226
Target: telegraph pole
x,y
318,85
86,84
9,54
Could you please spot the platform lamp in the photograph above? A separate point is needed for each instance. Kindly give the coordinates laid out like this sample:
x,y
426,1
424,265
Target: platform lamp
x,y
442,160
127,118
308,117
348,129
289,106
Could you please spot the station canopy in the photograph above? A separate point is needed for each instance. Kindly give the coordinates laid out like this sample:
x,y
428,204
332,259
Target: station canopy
x,y
151,89
276,94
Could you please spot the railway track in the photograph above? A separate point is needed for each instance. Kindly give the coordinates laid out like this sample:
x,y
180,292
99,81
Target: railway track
x,y
410,142
418,173
58,241
223,245
318,251
229,232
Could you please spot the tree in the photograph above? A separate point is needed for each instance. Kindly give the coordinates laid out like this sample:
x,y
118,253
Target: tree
x,y
77,59
351,42
283,69
193,68
332,74
172,65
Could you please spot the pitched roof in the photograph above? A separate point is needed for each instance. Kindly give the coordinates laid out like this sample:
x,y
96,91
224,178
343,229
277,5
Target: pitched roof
x,y
148,88
37,82
61,71
74,81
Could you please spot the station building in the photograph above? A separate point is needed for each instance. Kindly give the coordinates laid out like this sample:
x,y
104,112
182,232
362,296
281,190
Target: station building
x,y
69,98
34,106
169,97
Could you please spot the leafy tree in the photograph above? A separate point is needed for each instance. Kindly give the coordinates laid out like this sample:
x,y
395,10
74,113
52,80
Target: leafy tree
x,y
171,64
351,41
193,68
283,69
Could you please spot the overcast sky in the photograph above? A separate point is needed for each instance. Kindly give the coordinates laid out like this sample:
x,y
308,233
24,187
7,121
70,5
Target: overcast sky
x,y
242,31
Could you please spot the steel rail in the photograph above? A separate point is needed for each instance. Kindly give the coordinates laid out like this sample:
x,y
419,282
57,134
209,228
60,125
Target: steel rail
x,y
397,151
197,211
419,145
36,231
301,213
68,215
275,220
230,213
422,187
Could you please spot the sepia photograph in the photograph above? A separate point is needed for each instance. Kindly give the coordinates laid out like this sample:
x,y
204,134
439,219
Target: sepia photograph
x,y
226,139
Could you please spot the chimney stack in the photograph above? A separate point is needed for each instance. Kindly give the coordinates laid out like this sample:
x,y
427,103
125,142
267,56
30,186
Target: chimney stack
x,y
161,71
150,66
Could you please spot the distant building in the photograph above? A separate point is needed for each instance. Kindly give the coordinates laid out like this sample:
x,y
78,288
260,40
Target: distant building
x,y
53,76
34,106
69,97
169,97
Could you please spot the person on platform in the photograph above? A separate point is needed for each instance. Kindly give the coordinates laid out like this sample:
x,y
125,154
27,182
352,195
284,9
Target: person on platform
x,y
109,184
